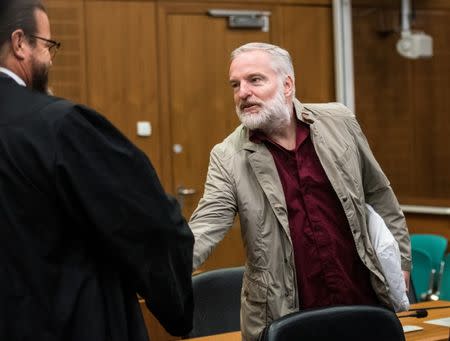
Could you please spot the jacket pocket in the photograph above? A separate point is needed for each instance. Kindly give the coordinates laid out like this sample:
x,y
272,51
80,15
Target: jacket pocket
x,y
254,307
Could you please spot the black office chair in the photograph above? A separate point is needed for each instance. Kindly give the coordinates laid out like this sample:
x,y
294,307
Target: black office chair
x,y
349,323
217,301
412,292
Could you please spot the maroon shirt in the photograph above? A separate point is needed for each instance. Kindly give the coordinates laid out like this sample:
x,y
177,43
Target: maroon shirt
x,y
329,271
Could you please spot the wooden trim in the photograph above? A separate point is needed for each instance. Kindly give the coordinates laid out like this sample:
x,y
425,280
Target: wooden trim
x,y
238,2
166,175
424,201
431,210
178,6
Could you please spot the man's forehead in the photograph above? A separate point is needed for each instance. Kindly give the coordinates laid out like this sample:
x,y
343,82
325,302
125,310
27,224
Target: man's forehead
x,y
251,62
42,22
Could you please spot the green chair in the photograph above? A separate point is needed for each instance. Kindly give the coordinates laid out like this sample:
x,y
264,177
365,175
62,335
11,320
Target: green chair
x,y
421,274
444,284
435,246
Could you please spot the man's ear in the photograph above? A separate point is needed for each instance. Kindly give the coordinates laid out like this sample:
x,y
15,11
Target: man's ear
x,y
288,86
18,44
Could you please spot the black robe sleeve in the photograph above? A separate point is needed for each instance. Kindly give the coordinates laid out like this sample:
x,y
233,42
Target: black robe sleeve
x,y
110,189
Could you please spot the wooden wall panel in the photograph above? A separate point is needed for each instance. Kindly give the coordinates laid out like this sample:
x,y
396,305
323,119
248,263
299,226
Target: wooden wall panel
x,y
307,33
435,224
428,4
68,74
382,88
402,104
122,68
431,100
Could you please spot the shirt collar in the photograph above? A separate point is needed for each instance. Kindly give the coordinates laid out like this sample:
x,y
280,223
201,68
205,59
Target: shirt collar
x,y
302,133
13,76
303,113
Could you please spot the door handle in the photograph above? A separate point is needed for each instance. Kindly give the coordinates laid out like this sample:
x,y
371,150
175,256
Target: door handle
x,y
182,192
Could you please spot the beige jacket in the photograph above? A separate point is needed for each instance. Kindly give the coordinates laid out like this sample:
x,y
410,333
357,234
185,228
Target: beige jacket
x,y
242,178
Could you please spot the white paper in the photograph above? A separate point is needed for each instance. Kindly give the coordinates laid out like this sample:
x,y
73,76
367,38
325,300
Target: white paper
x,y
407,329
445,322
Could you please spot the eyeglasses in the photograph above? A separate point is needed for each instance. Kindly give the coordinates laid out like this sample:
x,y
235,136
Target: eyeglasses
x,y
52,45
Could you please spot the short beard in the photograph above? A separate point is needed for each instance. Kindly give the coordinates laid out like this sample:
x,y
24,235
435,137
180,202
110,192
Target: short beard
x,y
39,77
273,116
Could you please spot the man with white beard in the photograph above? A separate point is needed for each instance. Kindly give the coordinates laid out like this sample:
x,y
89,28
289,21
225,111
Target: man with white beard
x,y
299,176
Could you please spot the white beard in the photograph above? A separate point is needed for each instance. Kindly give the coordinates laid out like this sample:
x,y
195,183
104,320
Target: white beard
x,y
274,114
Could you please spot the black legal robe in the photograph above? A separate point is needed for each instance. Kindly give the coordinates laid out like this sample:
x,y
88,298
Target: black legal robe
x,y
84,226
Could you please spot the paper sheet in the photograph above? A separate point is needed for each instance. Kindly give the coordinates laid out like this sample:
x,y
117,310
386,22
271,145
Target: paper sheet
x,y
445,322
408,328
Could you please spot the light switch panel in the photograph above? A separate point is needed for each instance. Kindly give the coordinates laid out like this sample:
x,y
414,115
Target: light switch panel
x,y
144,128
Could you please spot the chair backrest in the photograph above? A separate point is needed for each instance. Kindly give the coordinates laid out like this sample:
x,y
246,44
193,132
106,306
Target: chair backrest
x,y
412,292
217,301
444,286
433,244
421,273
350,323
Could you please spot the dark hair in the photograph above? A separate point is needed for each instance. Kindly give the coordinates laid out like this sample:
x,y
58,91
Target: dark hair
x,y
18,14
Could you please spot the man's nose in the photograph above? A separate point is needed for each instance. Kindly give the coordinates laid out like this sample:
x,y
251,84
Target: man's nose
x,y
244,91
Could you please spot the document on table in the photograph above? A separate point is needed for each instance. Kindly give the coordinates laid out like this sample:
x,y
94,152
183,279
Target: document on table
x,y
407,329
444,322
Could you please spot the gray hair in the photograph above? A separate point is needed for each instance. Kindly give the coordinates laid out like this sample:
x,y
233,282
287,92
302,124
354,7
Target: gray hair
x,y
281,59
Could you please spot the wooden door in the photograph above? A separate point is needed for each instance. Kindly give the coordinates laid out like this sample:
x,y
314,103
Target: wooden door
x,y
197,103
122,68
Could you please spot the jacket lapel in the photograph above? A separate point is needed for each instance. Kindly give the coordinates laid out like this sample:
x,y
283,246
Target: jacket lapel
x,y
263,166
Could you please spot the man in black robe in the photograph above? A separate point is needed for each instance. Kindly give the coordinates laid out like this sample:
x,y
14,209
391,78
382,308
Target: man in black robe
x,y
84,221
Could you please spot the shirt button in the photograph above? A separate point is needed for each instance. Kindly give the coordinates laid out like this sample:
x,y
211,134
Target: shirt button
x,y
344,199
